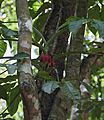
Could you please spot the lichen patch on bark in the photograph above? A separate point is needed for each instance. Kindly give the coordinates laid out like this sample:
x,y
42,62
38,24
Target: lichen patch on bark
x,y
28,24
25,44
25,68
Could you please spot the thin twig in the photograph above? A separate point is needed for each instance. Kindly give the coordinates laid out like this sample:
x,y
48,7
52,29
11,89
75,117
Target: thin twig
x,y
9,22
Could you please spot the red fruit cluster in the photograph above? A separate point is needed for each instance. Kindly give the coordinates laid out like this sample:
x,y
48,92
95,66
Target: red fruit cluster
x,y
47,58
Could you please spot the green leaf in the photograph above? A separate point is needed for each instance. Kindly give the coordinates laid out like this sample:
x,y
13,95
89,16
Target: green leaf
x,y
75,25
94,12
45,75
6,32
40,34
8,79
91,3
63,25
42,8
50,86
9,32
5,114
21,55
39,25
1,2
3,93
93,30
38,45
69,90
102,13
13,101
3,47
9,86
2,65
11,68
99,25
88,87
30,2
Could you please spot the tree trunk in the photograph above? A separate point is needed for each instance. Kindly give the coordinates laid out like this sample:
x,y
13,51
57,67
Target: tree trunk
x,y
66,8
27,85
75,50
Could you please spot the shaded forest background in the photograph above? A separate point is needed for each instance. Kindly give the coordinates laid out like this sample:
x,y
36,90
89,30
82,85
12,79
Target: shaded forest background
x,y
67,59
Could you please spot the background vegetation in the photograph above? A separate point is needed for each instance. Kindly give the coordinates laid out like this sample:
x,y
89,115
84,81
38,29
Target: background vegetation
x,y
93,50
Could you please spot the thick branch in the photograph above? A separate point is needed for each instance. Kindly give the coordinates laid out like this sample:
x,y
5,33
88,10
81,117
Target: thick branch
x,y
27,87
61,105
49,30
76,44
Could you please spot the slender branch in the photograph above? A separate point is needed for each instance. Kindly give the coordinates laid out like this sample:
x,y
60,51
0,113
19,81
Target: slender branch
x,y
40,34
9,22
7,39
3,72
7,57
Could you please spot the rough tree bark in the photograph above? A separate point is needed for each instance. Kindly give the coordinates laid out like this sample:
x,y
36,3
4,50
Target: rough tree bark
x,y
27,86
49,30
62,9
61,104
75,50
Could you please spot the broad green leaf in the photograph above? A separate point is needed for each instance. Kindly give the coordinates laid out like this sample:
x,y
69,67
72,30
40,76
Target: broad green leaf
x,y
3,93
50,86
11,68
101,1
8,79
6,32
30,2
2,65
75,25
40,34
63,25
42,8
9,33
21,55
13,100
91,3
3,47
99,25
9,86
39,25
102,13
94,12
92,29
69,90
45,75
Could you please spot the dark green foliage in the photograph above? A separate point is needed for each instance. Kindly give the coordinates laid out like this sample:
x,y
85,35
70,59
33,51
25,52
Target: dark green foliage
x,y
9,89
13,101
3,47
70,91
3,92
50,86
